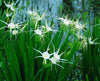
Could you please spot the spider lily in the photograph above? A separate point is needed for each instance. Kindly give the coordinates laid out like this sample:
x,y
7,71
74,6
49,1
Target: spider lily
x,y
45,55
92,42
79,25
49,28
10,6
54,61
10,25
14,32
58,56
38,32
31,12
65,21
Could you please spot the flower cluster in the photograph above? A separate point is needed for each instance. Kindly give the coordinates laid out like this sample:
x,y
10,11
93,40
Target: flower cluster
x,y
13,28
54,57
76,24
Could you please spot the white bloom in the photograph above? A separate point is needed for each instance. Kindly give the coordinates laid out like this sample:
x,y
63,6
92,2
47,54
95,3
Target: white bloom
x,y
53,60
14,32
66,21
39,32
49,28
45,55
10,6
57,56
92,42
79,25
11,25
16,26
31,12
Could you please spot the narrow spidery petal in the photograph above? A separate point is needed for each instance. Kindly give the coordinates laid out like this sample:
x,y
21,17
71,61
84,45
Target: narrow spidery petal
x,y
2,27
63,60
38,56
3,22
37,50
8,15
61,54
60,66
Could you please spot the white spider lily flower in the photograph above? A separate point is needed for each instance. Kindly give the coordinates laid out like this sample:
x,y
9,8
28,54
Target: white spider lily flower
x,y
8,15
66,21
39,32
49,28
16,26
45,55
92,42
79,25
11,25
58,56
54,61
14,32
10,6
31,12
